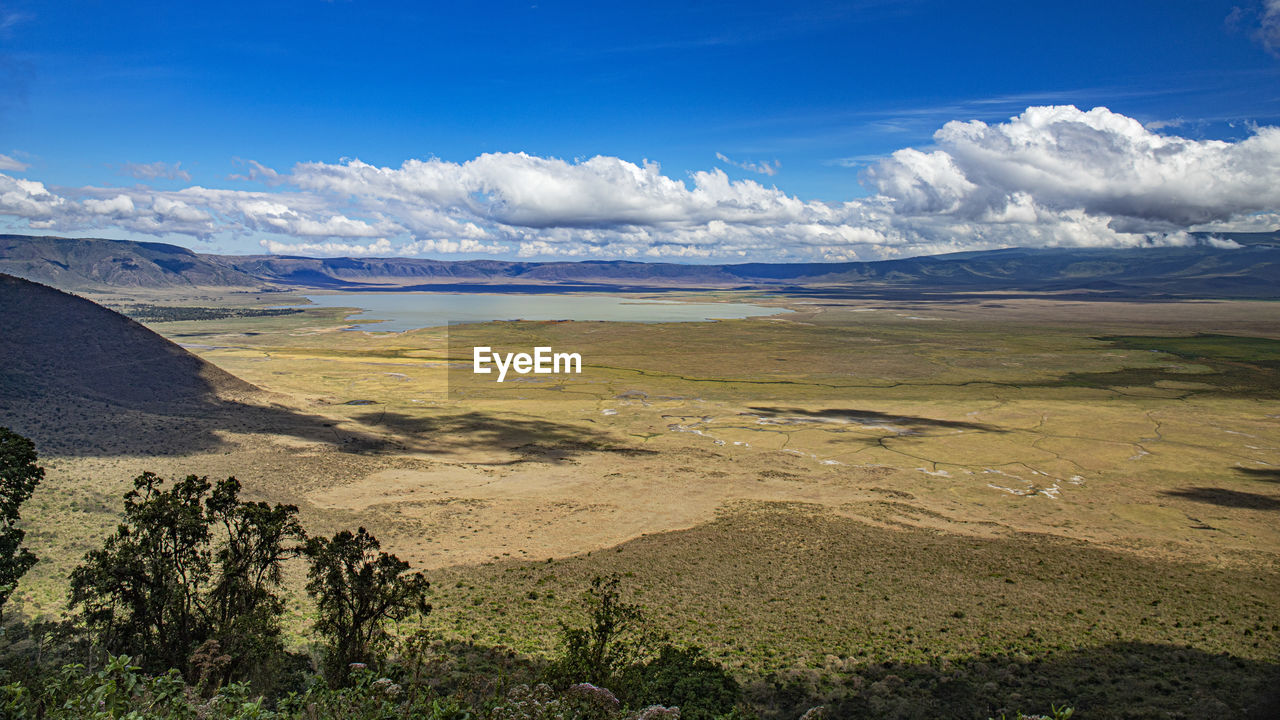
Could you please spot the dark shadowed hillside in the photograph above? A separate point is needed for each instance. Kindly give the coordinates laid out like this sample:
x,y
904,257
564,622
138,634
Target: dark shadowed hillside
x,y
66,345
73,370
81,379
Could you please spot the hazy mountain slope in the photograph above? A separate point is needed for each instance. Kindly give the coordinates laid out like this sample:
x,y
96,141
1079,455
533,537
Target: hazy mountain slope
x,y
1249,271
1252,270
1043,268
72,263
291,269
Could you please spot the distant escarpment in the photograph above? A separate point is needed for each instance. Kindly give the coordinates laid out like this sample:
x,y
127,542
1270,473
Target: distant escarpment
x,y
74,264
1239,265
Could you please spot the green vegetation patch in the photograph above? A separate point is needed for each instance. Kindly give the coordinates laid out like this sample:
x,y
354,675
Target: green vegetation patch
x,y
180,313
782,586
1225,365
1257,351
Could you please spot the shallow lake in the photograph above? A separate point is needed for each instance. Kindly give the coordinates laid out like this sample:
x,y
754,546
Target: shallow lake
x,y
396,312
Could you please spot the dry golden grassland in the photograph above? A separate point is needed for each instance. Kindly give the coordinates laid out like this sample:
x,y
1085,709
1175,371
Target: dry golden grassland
x,y
859,479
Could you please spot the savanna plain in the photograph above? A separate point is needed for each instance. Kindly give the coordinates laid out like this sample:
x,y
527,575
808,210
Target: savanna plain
x,y
1073,499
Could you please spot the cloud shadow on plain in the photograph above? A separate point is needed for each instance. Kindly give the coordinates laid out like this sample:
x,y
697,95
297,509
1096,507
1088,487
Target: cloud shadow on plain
x,y
1226,498
913,424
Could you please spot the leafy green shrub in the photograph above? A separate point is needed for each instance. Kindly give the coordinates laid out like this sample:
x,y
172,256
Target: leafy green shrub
x,y
684,677
610,642
367,697
116,692
617,650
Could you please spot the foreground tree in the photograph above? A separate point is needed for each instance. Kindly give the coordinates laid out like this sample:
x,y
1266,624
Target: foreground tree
x,y
19,476
243,603
139,593
613,638
358,590
187,571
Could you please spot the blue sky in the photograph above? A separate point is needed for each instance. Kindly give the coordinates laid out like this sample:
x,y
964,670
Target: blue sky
x,y
117,110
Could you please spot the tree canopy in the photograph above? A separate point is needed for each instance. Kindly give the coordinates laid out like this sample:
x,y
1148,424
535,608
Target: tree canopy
x,y
190,565
358,589
19,476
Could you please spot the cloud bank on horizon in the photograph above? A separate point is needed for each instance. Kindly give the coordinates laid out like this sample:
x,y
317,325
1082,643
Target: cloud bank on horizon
x,y
1051,176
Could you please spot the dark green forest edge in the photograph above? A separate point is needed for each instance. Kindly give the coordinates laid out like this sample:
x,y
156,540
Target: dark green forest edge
x,y
143,312
179,615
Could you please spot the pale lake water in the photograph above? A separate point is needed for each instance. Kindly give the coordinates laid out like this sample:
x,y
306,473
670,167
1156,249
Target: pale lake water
x,y
400,311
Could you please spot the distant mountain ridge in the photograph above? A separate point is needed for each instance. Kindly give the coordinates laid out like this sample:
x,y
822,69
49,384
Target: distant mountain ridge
x,y
74,263
1252,270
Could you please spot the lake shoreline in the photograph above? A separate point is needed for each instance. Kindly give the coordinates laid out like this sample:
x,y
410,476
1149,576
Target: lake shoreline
x,y
405,311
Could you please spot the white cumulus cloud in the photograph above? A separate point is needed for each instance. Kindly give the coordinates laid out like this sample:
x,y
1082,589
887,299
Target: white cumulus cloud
x,y
1051,176
27,199
381,247
1102,163
118,206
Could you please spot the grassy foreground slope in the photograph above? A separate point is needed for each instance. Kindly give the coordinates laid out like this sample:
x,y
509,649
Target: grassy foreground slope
x,y
825,608
772,586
